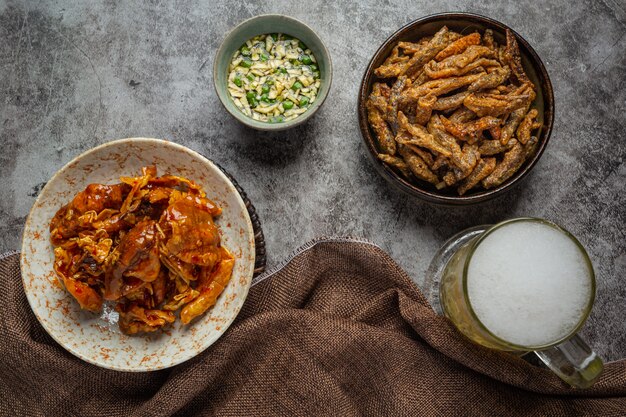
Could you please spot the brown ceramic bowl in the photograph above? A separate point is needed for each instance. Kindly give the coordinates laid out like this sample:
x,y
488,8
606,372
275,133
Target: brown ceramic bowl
x,y
462,23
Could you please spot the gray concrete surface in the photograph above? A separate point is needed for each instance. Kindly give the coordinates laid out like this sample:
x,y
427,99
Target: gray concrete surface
x,y
74,74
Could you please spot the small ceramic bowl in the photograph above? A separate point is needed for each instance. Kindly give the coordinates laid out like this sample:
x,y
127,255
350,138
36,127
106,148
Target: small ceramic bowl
x,y
462,23
96,338
259,25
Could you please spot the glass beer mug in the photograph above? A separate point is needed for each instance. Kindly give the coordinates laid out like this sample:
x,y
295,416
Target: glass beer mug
x,y
523,285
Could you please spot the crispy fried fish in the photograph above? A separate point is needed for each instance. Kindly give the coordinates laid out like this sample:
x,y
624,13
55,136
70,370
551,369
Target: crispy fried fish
x,y
381,129
512,161
440,162
457,159
491,79
395,56
488,39
513,59
470,158
458,46
424,154
531,147
394,65
392,104
454,110
484,104
494,147
470,131
411,48
397,163
450,102
483,169
421,137
511,124
438,87
526,126
495,132
424,109
471,54
462,115
380,96
477,66
440,40
418,166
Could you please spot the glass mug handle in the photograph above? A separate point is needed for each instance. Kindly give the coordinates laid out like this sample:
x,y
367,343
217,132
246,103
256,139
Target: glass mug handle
x,y
573,361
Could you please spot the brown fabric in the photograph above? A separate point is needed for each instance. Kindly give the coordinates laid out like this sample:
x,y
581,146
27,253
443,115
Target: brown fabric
x,y
340,330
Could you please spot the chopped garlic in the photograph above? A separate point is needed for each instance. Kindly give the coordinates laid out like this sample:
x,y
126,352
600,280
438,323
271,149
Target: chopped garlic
x,y
263,74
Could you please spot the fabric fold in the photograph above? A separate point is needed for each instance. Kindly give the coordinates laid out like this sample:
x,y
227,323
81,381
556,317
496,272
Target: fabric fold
x,y
338,329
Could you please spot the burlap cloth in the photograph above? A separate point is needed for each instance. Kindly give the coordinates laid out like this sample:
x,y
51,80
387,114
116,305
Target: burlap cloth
x,y
339,330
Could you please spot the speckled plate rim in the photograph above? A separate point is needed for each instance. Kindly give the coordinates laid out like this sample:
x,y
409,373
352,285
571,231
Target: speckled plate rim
x,y
433,197
264,126
68,166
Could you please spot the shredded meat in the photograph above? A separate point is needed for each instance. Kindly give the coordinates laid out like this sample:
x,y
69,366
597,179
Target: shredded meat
x,y
149,244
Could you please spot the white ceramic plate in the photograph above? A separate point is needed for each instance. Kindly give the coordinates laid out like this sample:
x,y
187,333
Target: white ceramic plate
x,y
97,338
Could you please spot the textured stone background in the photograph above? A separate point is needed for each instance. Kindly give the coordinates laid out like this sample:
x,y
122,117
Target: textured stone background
x,y
74,74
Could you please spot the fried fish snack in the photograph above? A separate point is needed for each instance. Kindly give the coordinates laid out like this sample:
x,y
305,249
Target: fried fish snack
x,y
511,162
394,65
513,59
425,155
452,102
462,115
380,96
410,48
488,40
454,110
381,129
495,147
439,41
526,126
487,104
438,87
418,166
421,137
490,80
424,109
478,66
437,129
511,124
149,244
392,104
471,54
458,46
471,131
482,170
397,163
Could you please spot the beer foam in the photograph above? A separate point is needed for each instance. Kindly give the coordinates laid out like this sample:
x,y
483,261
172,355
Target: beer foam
x,y
528,283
